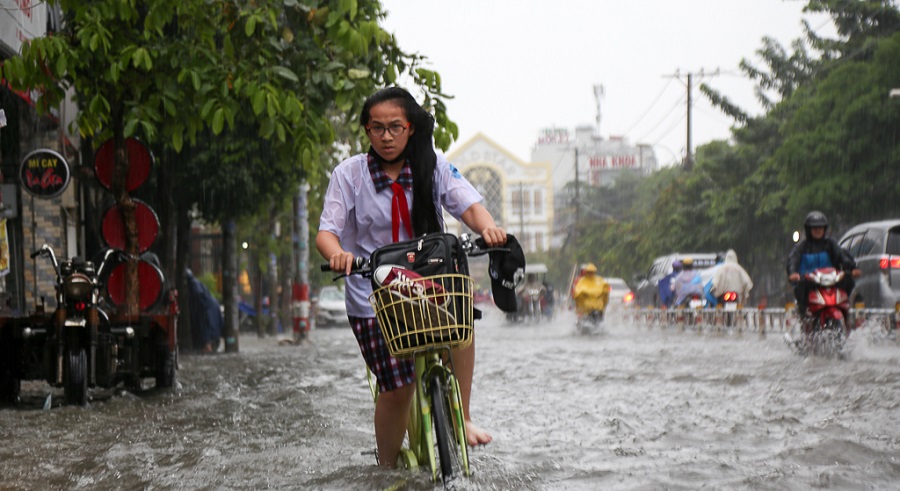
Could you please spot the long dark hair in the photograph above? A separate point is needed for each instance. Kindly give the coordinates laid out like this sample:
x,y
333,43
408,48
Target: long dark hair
x,y
419,150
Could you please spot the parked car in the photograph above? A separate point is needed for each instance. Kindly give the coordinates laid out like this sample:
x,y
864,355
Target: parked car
x,y
647,285
620,294
876,247
331,309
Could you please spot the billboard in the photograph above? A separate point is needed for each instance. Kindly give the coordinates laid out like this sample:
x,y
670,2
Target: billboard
x,y
21,20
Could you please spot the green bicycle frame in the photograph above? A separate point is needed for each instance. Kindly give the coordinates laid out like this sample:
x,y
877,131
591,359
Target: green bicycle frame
x,y
420,429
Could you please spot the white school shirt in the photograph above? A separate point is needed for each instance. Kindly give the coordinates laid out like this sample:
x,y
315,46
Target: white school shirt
x,y
361,217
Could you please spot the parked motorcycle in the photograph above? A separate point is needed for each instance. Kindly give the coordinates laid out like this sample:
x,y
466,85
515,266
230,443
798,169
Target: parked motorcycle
x,y
78,352
825,330
85,342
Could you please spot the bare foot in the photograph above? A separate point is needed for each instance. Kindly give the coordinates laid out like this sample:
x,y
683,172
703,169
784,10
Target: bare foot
x,y
476,435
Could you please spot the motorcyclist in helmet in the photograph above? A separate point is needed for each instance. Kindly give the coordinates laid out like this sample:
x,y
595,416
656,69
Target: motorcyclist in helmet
x,y
687,283
817,250
591,292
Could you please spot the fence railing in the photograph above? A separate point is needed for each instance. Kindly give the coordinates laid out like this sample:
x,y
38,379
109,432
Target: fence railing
x,y
754,320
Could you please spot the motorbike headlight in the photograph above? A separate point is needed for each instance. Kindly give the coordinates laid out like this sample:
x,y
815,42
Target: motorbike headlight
x,y
77,287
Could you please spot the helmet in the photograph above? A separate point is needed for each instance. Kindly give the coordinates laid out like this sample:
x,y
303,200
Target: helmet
x,y
676,265
589,268
815,219
687,263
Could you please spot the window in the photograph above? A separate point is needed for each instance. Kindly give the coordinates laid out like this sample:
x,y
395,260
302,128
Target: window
x,y
487,182
870,242
893,241
538,202
852,244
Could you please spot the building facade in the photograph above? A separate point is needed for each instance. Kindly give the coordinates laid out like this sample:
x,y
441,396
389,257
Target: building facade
x,y
518,194
586,159
27,221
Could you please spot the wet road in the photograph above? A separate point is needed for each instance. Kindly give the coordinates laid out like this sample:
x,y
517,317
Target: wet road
x,y
632,408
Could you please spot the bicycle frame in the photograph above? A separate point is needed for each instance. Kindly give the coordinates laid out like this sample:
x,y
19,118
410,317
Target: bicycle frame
x,y
434,324
420,428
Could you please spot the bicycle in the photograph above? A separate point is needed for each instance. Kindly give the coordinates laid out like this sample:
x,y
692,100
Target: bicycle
x,y
426,326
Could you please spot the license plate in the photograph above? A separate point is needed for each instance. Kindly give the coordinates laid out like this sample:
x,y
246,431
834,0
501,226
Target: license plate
x,y
696,304
730,306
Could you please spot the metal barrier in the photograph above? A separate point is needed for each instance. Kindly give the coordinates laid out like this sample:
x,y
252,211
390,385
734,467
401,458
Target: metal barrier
x,y
754,320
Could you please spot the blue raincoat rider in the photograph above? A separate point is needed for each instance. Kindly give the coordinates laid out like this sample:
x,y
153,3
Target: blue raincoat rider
x,y
665,285
818,251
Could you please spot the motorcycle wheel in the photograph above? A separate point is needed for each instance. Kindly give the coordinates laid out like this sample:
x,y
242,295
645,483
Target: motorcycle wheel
x,y
831,338
75,380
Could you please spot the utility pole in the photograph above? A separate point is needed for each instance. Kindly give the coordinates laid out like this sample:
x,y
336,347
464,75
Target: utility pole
x,y
577,190
689,154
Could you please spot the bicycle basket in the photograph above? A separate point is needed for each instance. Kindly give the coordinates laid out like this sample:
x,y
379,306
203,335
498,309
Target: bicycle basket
x,y
425,313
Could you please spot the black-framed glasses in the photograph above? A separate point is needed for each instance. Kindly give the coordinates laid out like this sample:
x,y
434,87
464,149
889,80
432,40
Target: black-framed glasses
x,y
395,129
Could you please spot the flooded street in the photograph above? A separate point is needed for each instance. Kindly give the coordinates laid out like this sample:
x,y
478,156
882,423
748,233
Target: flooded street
x,y
632,408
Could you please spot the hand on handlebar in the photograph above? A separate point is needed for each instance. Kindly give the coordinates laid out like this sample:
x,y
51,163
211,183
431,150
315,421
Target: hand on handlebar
x,y
494,236
856,273
341,262
794,277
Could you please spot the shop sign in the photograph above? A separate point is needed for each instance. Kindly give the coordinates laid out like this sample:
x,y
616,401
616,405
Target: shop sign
x,y
44,173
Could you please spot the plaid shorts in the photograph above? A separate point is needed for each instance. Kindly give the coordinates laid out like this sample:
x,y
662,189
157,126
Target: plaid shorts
x,y
391,373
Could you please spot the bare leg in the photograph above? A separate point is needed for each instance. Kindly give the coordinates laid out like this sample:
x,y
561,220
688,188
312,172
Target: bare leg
x,y
464,368
391,417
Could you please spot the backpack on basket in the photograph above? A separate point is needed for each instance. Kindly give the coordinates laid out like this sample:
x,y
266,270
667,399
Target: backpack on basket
x,y
422,293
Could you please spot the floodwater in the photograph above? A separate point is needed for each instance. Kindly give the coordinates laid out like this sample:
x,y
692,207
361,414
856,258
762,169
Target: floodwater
x,y
631,408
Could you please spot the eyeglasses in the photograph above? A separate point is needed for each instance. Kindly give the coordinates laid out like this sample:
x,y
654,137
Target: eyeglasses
x,y
396,129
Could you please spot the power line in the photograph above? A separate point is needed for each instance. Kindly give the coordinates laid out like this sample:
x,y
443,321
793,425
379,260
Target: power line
x,y
652,104
689,157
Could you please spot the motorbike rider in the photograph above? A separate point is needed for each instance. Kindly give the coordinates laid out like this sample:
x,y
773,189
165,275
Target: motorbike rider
x,y
731,277
591,292
687,283
665,285
532,284
817,250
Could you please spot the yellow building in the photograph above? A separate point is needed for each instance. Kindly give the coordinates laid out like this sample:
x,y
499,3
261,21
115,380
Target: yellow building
x,y
518,194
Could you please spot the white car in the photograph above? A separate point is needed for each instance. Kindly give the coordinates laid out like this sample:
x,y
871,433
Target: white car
x,y
620,294
331,309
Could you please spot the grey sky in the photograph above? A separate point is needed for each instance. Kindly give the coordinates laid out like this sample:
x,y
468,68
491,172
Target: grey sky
x,y
516,67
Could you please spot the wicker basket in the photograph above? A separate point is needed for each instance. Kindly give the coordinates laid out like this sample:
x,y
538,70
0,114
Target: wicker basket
x,y
438,315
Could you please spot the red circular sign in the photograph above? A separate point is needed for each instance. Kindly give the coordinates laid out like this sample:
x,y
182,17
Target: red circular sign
x,y
113,228
150,279
139,163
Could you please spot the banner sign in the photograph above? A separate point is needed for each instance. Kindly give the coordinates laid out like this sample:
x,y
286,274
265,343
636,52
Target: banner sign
x,y
44,173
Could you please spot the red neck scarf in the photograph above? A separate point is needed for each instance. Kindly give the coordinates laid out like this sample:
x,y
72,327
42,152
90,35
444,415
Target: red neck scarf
x,y
400,212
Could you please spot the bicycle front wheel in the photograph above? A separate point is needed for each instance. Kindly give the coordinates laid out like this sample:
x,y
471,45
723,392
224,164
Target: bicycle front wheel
x,y
451,451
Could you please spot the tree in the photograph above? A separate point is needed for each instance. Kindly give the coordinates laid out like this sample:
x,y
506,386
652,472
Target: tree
x,y
272,75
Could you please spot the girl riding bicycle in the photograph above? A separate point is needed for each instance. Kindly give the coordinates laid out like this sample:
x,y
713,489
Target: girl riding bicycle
x,y
395,192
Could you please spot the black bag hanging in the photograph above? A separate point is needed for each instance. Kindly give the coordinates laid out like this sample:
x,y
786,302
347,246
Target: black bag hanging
x,y
428,255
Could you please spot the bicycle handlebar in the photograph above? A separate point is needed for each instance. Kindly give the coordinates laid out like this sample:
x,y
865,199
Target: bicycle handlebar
x,y
477,247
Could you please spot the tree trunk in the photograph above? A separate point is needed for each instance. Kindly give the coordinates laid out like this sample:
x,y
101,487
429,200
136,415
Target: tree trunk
x,y
127,209
229,286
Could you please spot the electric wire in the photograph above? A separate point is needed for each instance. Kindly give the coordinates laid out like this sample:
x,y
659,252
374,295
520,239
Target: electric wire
x,y
652,104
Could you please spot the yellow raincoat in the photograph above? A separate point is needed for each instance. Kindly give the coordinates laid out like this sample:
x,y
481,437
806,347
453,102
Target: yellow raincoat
x,y
591,293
